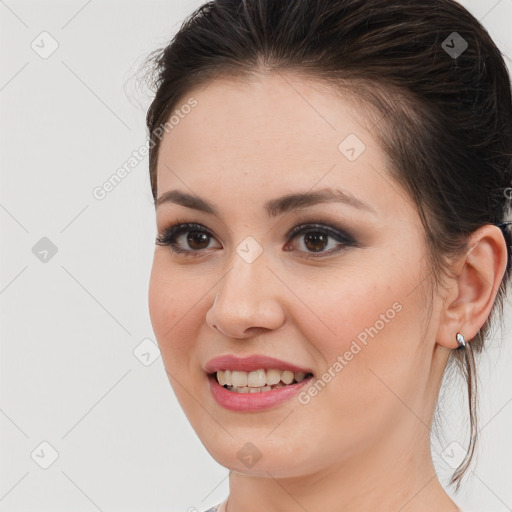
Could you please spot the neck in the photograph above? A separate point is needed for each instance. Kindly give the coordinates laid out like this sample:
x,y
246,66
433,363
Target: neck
x,y
392,475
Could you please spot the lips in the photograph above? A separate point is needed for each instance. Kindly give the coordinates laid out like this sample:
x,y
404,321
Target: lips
x,y
251,363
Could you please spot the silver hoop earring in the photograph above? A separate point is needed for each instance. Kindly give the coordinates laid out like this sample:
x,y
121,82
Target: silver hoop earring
x,y
461,340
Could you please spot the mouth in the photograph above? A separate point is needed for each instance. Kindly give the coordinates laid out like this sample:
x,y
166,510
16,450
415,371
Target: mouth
x,y
257,381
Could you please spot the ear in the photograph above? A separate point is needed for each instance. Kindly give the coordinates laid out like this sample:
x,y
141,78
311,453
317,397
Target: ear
x,y
473,288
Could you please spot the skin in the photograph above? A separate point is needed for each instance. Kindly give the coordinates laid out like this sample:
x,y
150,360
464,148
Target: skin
x,y
362,443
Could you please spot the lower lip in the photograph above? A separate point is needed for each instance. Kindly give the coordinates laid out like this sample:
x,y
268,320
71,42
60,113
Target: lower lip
x,y
249,402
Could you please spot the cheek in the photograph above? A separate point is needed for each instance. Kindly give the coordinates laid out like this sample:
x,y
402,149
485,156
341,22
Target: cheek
x,y
173,309
349,306
365,331
175,312
365,301
161,301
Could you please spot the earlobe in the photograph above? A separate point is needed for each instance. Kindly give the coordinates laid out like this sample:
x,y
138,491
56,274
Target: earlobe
x,y
479,273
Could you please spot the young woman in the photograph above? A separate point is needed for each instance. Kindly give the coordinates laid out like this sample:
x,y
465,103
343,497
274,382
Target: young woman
x,y
332,183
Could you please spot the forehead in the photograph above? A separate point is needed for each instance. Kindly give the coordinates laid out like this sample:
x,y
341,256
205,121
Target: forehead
x,y
244,116
274,133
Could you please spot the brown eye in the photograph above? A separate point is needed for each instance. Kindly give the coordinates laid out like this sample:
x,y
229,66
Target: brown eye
x,y
187,238
320,239
198,240
316,241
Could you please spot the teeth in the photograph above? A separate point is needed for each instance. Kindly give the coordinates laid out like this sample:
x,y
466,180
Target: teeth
x,y
258,380
273,376
239,379
247,389
287,377
299,376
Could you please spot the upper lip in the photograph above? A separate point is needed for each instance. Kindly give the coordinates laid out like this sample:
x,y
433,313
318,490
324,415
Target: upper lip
x,y
250,363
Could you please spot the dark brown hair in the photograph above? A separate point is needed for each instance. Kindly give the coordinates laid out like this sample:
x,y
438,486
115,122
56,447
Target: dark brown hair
x,y
443,114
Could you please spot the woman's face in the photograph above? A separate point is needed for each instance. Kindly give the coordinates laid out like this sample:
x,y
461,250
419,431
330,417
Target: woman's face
x,y
345,299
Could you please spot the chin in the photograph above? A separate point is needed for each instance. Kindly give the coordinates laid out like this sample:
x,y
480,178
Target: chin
x,y
259,457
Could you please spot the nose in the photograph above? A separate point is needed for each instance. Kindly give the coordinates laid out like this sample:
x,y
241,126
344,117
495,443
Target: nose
x,y
248,301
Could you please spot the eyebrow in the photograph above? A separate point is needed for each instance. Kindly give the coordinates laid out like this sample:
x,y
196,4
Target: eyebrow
x,y
274,207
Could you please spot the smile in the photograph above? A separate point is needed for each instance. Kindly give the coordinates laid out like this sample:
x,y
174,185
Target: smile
x,y
258,381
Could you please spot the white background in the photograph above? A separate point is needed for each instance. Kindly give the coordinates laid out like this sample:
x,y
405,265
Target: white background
x,y
69,328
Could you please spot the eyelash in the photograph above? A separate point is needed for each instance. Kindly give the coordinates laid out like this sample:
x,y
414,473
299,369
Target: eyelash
x,y
168,237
